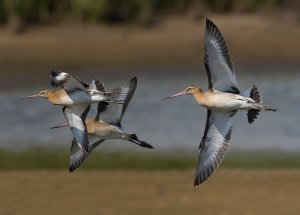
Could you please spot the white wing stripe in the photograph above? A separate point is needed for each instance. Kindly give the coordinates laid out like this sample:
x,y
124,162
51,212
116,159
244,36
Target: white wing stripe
x,y
58,78
214,145
77,125
114,113
217,61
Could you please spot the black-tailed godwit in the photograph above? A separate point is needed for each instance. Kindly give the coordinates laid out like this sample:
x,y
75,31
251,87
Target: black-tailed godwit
x,y
222,100
76,100
109,126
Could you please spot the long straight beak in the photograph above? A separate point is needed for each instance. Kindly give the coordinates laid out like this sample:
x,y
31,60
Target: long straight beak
x,y
60,126
33,96
178,94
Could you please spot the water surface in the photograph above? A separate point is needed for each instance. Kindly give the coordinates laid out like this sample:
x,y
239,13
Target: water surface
x,y
167,125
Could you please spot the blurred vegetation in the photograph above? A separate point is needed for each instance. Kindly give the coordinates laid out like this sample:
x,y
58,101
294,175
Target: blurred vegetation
x,y
36,159
22,13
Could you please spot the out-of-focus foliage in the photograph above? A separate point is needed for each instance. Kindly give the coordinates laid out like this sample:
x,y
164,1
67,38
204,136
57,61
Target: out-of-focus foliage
x,y
141,11
35,159
244,5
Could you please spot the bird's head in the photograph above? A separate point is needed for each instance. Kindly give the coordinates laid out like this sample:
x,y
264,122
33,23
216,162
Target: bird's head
x,y
188,91
43,94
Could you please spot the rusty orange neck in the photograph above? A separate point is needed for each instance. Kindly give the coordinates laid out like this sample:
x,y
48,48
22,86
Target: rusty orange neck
x,y
57,97
199,95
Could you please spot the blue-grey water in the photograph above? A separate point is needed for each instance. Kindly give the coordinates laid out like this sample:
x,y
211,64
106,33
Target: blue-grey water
x,y
167,125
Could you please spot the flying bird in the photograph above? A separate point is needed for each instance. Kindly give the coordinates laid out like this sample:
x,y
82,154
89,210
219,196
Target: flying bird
x,y
73,91
76,100
222,100
107,127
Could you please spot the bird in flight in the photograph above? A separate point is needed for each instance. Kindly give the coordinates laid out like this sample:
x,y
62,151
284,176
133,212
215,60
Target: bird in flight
x,y
75,96
222,100
108,126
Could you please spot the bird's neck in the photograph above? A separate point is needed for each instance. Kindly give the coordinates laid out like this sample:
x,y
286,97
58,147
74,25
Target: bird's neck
x,y
57,97
200,97
91,125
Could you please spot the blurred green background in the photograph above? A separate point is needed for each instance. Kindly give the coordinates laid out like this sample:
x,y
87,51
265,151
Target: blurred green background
x,y
43,12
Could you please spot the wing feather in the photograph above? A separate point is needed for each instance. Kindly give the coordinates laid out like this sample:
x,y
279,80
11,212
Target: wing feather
x,y
66,80
96,84
76,119
214,144
218,64
77,156
113,113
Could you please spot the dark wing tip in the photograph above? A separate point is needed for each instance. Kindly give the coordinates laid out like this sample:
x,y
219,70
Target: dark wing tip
x,y
252,115
213,32
146,145
76,162
99,85
212,29
133,82
255,94
58,78
54,73
72,167
77,156
209,25
203,172
102,106
85,85
208,21
125,92
134,79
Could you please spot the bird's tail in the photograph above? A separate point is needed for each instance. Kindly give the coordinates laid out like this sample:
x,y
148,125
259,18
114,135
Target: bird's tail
x,y
267,108
256,96
134,139
254,93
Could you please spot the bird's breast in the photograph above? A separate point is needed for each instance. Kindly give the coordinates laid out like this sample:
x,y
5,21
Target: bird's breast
x,y
224,102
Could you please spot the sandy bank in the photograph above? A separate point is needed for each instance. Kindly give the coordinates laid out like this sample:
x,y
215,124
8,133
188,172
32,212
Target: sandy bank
x,y
168,192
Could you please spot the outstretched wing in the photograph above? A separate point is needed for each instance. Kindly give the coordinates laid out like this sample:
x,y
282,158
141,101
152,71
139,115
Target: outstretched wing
x,y
77,156
96,84
66,80
219,68
214,144
76,119
59,78
113,113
